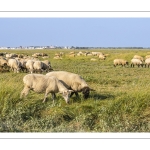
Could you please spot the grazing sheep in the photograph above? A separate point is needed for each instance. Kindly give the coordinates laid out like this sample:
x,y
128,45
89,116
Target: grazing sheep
x,y
147,62
137,62
29,65
102,57
42,83
138,57
46,66
3,62
120,62
3,65
38,65
72,55
93,59
14,65
57,57
147,56
72,81
97,53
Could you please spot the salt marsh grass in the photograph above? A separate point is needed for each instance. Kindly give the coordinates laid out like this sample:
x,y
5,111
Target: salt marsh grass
x,y
120,102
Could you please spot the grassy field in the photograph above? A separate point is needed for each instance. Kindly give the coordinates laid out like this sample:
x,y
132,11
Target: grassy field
x,y
120,102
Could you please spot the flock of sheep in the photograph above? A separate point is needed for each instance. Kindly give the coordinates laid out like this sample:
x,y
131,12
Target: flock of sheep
x,y
53,82
24,63
136,60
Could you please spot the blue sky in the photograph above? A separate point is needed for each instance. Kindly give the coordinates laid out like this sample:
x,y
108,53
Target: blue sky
x,y
88,32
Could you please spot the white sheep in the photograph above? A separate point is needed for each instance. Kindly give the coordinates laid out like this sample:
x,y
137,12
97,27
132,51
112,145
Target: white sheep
x,y
102,57
120,62
147,62
29,65
138,57
42,83
46,66
38,65
137,62
14,65
72,81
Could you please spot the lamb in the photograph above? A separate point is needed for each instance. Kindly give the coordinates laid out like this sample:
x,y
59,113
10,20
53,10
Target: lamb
x,y
42,83
137,62
72,81
120,62
147,62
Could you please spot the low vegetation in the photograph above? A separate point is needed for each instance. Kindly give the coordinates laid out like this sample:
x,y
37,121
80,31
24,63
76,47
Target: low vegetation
x,y
120,102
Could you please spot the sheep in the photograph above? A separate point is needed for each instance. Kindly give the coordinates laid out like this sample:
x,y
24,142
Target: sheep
x,y
23,64
38,65
137,62
46,65
29,65
14,65
3,64
96,53
93,59
147,62
41,83
139,57
72,81
120,62
72,55
147,56
57,57
102,57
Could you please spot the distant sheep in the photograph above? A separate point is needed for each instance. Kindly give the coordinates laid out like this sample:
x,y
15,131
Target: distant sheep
x,y
147,62
121,62
93,59
57,57
138,57
137,62
14,65
46,66
42,83
72,81
38,65
102,57
147,56
29,65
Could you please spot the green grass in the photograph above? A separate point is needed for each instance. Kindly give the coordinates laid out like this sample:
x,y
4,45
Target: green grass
x,y
120,102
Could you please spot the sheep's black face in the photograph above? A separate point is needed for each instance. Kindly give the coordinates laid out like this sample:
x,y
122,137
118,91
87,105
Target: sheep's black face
x,y
86,92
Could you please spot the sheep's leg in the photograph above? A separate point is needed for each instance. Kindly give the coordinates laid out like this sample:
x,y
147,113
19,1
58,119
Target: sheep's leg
x,y
53,97
45,96
25,92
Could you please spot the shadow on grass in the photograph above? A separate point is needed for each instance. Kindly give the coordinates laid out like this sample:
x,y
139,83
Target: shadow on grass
x,y
97,96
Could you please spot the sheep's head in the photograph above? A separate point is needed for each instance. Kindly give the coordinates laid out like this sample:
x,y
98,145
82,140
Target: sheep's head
x,y
66,95
86,92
